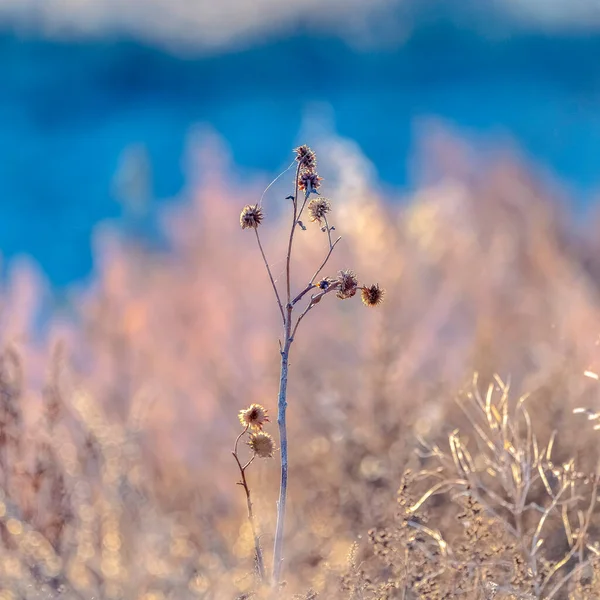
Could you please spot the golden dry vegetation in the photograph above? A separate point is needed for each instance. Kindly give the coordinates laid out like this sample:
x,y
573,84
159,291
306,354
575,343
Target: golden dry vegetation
x,y
409,477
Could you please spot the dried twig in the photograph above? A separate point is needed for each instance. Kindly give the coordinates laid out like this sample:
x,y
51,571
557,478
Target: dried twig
x,y
260,565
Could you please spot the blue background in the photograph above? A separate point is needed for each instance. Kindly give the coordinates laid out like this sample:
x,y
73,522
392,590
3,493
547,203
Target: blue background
x,y
69,109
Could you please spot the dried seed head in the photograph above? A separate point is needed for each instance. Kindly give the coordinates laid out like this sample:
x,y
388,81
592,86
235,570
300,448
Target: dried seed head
x,y
306,157
309,181
372,295
262,444
251,216
348,284
254,416
318,208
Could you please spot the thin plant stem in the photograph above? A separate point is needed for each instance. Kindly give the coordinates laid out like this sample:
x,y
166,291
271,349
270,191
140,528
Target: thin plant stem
x,y
270,274
282,400
306,195
274,180
331,247
311,284
580,538
260,564
288,273
576,570
281,422
301,295
314,300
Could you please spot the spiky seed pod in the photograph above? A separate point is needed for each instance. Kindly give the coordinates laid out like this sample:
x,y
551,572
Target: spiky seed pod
x,y
254,416
306,157
309,181
251,217
348,284
262,444
318,208
372,295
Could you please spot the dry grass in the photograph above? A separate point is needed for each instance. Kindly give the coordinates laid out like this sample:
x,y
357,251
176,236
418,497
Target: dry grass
x,y
115,467
498,518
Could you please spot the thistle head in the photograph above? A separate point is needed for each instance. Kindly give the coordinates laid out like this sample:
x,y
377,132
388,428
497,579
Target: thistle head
x,y
318,208
309,181
255,416
372,295
262,444
348,284
251,216
306,157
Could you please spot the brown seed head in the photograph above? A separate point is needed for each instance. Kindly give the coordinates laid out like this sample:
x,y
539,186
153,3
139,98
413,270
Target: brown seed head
x,y
262,444
348,284
254,416
309,181
318,208
251,216
306,157
372,295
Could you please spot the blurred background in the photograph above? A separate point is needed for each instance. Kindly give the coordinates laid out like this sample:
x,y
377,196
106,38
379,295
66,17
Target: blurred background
x,y
98,90
459,144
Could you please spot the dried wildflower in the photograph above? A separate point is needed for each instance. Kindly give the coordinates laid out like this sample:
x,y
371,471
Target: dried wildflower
x,y
318,208
262,444
372,295
251,216
306,157
254,416
309,181
348,284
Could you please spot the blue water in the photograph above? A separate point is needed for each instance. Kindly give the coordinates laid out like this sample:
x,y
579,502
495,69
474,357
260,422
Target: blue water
x,y
68,110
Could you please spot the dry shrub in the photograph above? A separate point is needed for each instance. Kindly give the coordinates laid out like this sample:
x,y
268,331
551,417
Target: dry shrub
x,y
498,518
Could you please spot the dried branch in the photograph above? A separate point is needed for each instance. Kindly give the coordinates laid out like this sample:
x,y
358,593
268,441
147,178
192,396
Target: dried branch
x,y
260,566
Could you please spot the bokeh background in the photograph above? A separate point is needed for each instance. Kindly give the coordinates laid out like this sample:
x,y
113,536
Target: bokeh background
x,y
459,144
90,87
